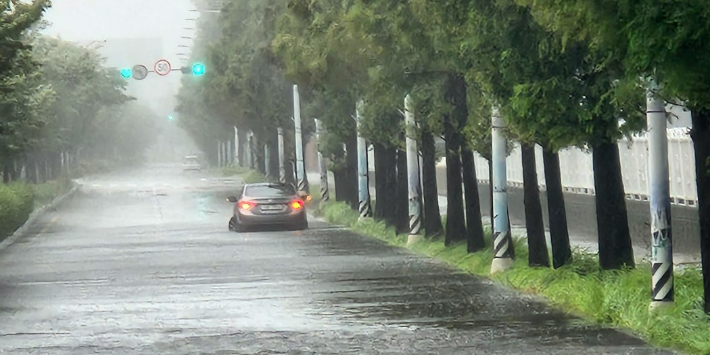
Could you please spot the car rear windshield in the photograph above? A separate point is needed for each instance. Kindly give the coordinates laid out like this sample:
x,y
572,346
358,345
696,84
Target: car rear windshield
x,y
190,161
270,191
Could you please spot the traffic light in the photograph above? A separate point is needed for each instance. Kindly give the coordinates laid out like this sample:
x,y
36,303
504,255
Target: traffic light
x,y
198,69
171,117
126,73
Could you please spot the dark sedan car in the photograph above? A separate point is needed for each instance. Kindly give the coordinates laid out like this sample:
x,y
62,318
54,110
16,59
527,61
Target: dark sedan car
x,y
268,205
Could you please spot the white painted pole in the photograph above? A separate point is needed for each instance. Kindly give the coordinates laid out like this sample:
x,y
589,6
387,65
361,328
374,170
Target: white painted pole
x,y
282,167
237,161
322,168
365,208
267,160
502,249
413,179
662,292
300,167
219,154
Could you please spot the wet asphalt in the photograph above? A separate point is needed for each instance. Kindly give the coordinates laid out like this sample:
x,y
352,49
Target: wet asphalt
x,y
142,262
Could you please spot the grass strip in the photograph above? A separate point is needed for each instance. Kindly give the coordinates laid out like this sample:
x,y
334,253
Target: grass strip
x,y
618,299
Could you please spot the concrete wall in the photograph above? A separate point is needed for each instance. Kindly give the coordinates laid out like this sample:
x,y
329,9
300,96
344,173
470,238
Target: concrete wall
x,y
581,217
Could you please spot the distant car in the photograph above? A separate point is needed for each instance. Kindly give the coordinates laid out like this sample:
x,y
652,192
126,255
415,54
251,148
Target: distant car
x,y
268,205
191,163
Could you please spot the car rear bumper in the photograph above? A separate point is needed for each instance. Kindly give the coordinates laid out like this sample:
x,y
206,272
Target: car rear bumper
x,y
276,219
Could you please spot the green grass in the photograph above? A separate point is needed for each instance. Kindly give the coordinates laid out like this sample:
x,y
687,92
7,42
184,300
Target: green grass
x,y
613,298
46,192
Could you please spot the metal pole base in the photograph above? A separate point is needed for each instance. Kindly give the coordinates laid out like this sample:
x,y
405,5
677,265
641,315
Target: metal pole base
x,y
414,239
656,305
501,264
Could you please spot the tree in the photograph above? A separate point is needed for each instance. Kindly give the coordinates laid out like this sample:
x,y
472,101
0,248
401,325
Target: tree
x,y
668,40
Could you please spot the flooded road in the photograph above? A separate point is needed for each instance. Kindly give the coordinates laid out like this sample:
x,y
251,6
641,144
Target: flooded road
x,y
142,263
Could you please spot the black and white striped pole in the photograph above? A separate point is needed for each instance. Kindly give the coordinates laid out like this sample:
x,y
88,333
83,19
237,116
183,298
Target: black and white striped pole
x,y
365,208
282,162
502,246
300,167
413,181
322,168
660,202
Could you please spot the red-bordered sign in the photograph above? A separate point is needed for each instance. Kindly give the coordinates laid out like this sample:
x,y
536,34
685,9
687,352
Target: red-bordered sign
x,y
162,67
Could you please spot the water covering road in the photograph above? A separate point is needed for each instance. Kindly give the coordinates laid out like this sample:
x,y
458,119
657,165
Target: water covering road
x,y
142,263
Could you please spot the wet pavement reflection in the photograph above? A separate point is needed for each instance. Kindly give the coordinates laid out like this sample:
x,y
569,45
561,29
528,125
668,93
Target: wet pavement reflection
x,y
142,263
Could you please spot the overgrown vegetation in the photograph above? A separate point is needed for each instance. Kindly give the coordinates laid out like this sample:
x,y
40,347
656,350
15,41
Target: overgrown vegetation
x,y
608,297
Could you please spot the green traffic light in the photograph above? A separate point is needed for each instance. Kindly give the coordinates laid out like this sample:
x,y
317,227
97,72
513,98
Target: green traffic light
x,y
170,117
198,69
126,73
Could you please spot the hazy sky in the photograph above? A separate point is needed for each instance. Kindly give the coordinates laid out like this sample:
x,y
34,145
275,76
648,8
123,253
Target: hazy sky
x,y
98,20
81,20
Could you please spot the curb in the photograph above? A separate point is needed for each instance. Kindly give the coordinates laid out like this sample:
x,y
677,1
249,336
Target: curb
x,y
34,216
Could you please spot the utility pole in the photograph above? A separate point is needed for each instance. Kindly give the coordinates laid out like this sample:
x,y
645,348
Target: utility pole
x,y
323,169
300,167
662,292
365,209
282,166
219,154
502,246
413,180
267,160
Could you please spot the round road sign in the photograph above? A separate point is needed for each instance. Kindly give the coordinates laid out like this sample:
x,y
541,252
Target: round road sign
x,y
162,67
140,72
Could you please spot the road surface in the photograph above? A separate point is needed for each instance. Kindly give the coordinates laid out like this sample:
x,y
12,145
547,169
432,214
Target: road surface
x,y
142,263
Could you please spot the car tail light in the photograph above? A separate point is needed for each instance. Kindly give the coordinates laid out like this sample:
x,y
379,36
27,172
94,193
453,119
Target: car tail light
x,y
246,205
297,205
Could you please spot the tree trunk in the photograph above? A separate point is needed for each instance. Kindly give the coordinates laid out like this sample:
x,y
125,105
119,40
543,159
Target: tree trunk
x,y
340,184
382,195
351,171
534,225
559,234
274,158
456,95
430,191
242,136
701,142
474,223
615,250
401,215
31,168
6,175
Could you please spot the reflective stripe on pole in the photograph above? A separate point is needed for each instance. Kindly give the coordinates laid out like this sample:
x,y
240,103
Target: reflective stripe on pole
x,y
323,169
415,202
365,209
660,201
502,256
300,168
282,167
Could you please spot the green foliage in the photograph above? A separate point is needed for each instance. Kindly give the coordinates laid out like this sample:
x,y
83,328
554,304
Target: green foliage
x,y
16,204
609,298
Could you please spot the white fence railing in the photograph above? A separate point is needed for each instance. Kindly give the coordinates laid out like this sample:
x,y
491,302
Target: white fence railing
x,y
578,177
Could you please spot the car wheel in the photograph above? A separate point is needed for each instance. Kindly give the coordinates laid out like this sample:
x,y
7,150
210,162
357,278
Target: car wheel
x,y
302,225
